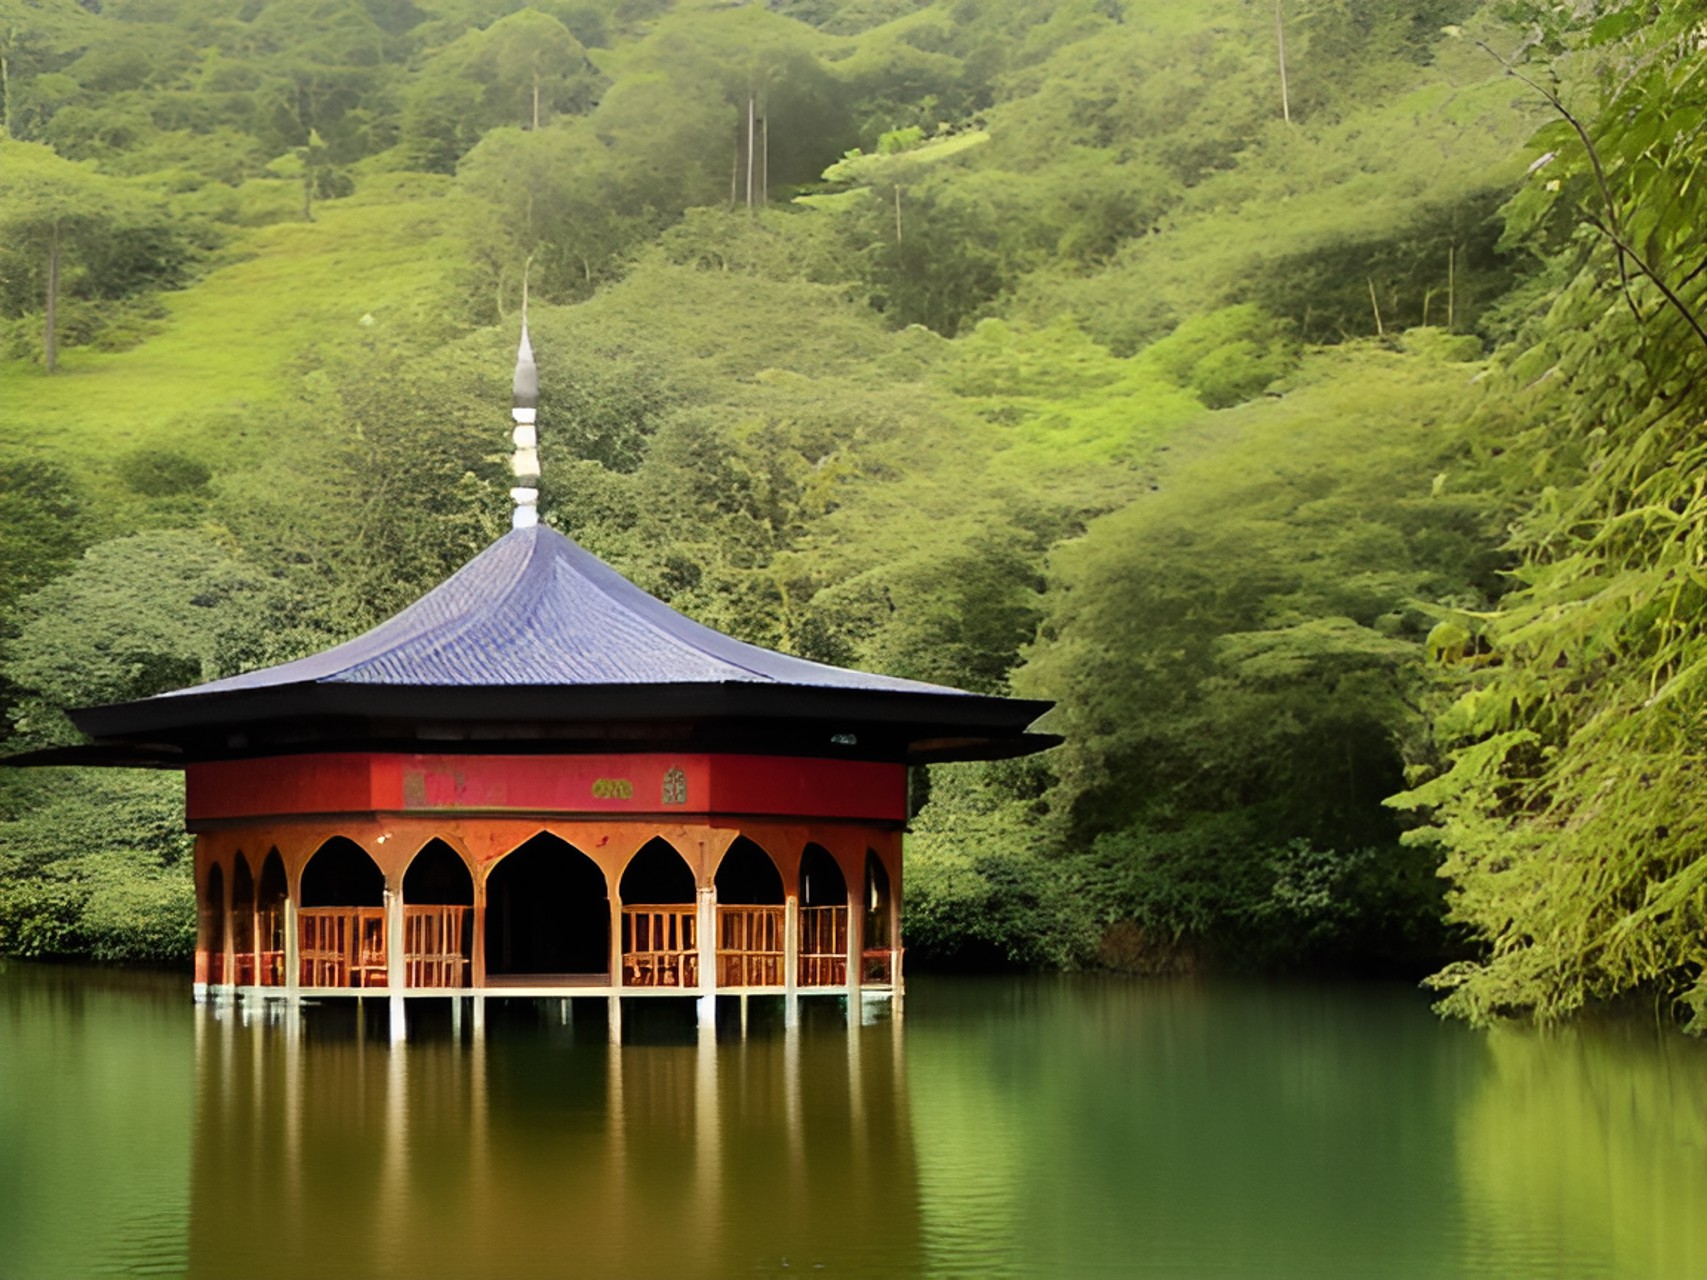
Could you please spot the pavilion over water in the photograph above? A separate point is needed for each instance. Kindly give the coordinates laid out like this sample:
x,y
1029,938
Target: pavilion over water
x,y
539,781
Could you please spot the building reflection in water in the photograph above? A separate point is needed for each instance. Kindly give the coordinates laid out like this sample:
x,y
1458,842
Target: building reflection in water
x,y
544,1150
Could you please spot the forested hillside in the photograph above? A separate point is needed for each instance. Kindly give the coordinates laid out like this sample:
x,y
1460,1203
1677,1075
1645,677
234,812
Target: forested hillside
x,y
1304,396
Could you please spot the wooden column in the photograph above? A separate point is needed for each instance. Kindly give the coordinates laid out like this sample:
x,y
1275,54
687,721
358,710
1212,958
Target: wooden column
x,y
477,961
895,934
707,926
613,1012
228,960
791,961
394,962
255,936
204,959
292,953
477,939
856,944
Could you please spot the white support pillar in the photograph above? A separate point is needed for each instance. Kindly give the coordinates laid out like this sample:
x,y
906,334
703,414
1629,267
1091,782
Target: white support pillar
x,y
394,962
228,960
477,938
255,943
707,928
895,949
856,946
292,956
791,961
613,1013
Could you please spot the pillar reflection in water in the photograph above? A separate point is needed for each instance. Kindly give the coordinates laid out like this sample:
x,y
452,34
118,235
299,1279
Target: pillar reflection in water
x,y
544,1150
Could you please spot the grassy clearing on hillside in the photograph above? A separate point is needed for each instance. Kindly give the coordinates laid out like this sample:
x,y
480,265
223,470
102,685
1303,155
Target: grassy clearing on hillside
x,y
392,252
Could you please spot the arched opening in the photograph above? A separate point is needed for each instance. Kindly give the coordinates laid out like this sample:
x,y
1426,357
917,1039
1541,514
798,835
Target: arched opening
x,y
660,929
340,874
748,876
547,912
243,922
823,920
878,937
270,897
438,918
750,918
342,918
213,924
822,883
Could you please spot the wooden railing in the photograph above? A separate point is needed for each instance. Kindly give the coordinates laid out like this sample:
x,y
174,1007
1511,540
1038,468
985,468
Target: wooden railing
x,y
434,951
750,946
823,946
660,946
265,966
878,968
342,946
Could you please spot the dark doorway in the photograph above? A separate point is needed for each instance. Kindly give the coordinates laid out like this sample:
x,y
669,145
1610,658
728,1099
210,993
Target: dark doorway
x,y
822,883
213,924
877,933
340,874
270,897
656,875
437,876
243,919
748,877
547,911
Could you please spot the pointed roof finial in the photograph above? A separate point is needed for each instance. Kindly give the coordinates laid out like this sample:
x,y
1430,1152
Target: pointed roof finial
x,y
524,409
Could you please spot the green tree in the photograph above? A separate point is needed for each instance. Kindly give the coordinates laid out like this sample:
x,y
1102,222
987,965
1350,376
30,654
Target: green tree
x,y
67,229
1570,803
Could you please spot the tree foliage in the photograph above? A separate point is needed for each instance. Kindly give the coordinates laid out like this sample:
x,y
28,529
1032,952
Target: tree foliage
x,y
1570,799
1026,347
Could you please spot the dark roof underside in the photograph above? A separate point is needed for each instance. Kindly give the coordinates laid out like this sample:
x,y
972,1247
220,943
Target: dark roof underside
x,y
536,644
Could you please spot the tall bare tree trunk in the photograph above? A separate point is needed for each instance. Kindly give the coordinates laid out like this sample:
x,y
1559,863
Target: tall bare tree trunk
x,y
1451,286
765,159
1280,46
50,327
752,119
536,102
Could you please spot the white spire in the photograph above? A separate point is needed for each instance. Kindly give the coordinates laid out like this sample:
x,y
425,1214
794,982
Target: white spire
x,y
525,407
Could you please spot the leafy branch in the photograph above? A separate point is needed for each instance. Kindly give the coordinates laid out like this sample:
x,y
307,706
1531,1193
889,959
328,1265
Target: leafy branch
x,y
1612,225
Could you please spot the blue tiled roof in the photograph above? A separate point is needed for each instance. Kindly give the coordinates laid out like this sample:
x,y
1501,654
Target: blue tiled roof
x,y
534,609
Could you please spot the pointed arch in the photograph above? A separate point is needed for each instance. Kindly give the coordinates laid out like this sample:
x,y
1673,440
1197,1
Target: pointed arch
x,y
877,932
660,921
822,883
823,919
242,921
437,874
547,912
270,893
750,918
657,873
877,936
747,875
341,917
342,874
213,924
438,917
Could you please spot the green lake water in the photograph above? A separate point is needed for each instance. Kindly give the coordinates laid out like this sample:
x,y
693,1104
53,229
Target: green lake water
x,y
1016,1127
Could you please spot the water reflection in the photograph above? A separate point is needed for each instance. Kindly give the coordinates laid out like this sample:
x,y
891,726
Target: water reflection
x,y
1589,1143
541,1149
1017,1128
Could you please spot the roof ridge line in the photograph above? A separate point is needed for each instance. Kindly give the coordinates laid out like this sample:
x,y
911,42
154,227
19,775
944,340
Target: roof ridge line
x,y
459,624
620,580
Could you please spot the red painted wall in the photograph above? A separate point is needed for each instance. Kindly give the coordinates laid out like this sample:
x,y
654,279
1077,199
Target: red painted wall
x,y
362,782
